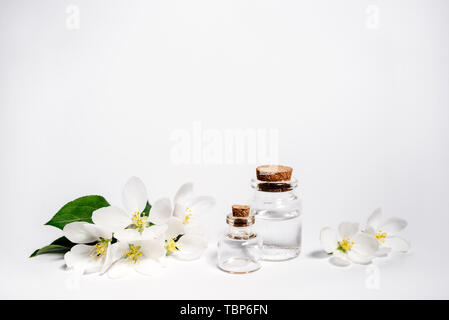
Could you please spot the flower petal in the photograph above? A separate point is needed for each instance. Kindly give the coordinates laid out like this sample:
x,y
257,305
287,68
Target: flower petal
x,y
118,250
128,235
340,260
134,195
111,218
154,232
98,231
73,259
81,249
180,211
119,269
194,228
356,257
397,244
348,229
184,192
370,231
191,247
153,249
148,267
79,257
375,219
328,238
393,225
365,244
77,232
175,227
115,265
109,259
201,204
160,211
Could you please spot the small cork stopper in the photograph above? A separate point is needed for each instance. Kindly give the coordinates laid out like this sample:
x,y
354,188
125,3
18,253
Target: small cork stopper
x,y
240,210
274,173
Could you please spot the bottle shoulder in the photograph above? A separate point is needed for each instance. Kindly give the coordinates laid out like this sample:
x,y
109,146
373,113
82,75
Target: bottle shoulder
x,y
277,214
237,238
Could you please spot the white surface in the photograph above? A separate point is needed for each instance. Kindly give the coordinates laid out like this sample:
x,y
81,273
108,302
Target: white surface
x,y
362,115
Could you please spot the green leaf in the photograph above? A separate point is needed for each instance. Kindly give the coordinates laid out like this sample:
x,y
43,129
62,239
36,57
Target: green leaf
x,y
146,213
147,209
77,210
63,241
50,249
60,245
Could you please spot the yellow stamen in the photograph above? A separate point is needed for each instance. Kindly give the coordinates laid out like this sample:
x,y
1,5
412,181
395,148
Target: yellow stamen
x,y
381,236
345,244
139,222
170,245
133,254
188,215
99,249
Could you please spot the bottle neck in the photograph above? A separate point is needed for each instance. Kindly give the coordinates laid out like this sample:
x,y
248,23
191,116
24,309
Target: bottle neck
x,y
241,233
274,186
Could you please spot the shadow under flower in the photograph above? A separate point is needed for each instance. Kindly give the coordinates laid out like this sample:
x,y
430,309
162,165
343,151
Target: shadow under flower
x,y
318,254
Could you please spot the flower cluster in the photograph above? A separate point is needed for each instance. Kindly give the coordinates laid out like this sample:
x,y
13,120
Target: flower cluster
x,y
352,244
138,237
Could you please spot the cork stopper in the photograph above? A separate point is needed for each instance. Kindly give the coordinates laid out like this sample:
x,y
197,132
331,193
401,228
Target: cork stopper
x,y
274,173
240,210
240,216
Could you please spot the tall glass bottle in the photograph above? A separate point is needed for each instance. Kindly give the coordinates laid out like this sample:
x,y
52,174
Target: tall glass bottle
x,y
277,208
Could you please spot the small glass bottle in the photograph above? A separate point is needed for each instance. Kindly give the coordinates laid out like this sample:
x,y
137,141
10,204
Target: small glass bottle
x,y
278,212
239,249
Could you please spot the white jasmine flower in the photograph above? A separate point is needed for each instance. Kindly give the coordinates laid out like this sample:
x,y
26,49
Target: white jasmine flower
x,y
385,232
134,198
182,242
142,256
83,257
350,246
184,238
189,207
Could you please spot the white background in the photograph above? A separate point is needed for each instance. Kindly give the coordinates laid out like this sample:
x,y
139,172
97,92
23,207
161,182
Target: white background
x,y
361,109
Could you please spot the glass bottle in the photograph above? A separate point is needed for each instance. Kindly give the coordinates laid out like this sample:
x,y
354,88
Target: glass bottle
x,y
239,249
278,212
